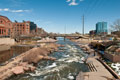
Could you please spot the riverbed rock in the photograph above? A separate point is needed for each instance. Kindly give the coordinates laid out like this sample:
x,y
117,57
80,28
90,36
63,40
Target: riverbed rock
x,y
37,59
18,70
26,68
118,50
61,46
24,64
32,68
49,58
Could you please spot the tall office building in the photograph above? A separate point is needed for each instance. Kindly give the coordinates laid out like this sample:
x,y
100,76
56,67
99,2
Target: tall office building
x,y
101,28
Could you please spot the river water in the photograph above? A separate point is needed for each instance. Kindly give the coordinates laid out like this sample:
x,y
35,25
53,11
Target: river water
x,y
67,66
12,52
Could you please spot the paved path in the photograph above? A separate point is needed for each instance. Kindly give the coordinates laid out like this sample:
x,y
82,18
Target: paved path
x,y
101,73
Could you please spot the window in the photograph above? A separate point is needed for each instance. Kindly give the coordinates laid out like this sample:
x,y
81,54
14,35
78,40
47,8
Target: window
x,y
1,21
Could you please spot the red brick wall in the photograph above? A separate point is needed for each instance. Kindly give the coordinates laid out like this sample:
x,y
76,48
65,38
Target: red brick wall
x,y
8,28
21,28
5,26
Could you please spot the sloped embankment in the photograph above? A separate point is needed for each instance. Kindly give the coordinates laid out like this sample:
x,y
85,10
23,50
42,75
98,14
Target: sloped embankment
x,y
25,61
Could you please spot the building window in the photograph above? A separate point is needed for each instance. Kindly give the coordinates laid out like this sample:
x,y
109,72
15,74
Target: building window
x,y
20,24
1,21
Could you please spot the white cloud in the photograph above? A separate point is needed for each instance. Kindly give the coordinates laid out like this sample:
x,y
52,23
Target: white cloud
x,y
73,3
17,11
68,0
81,0
0,9
14,11
6,9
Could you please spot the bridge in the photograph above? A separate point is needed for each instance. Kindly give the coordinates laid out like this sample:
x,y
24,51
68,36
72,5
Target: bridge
x,y
67,36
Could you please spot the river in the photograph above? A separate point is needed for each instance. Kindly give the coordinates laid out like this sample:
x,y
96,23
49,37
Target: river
x,y
12,52
67,66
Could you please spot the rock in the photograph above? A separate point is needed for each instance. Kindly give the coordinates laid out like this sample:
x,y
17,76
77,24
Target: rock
x,y
118,50
62,46
49,58
52,58
18,70
32,68
24,64
26,68
46,58
36,54
37,59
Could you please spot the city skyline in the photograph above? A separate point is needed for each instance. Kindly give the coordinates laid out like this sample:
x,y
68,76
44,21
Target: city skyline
x,y
54,15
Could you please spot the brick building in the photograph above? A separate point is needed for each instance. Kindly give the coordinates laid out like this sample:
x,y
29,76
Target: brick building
x,y
116,33
14,29
22,28
5,26
92,32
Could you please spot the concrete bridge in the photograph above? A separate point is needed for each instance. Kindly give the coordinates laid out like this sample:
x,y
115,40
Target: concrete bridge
x,y
75,36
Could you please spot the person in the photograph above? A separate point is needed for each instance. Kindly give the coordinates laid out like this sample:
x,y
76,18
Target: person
x,y
94,53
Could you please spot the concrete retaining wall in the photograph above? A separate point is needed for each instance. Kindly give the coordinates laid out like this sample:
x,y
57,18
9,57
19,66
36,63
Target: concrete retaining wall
x,y
113,58
7,41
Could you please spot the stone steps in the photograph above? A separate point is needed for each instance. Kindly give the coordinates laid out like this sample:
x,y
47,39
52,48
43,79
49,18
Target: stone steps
x,y
91,67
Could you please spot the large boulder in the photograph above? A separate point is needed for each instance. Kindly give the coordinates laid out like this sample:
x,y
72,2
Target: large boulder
x,y
37,59
49,58
26,68
32,68
18,70
118,50
24,64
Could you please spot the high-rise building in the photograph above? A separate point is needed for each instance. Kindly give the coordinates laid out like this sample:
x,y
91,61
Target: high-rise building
x,y
101,28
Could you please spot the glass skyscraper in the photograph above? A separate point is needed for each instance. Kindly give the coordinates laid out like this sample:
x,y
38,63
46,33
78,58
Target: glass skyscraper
x,y
101,28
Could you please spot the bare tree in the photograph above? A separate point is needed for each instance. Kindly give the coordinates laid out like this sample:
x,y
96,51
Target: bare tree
x,y
115,26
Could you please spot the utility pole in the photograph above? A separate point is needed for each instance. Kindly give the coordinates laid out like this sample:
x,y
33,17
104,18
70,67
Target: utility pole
x,y
65,32
83,25
65,29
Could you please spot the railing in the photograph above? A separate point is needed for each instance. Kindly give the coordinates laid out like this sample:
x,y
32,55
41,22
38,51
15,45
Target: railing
x,y
109,69
4,36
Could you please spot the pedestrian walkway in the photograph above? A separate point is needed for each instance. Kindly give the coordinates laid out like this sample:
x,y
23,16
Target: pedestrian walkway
x,y
97,71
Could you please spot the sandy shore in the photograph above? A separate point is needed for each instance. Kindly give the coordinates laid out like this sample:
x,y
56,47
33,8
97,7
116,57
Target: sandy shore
x,y
24,61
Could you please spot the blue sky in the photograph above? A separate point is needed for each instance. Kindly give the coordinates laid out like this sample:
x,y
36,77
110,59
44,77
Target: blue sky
x,y
54,15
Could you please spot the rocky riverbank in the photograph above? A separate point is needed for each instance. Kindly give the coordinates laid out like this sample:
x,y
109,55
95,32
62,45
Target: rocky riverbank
x,y
25,62
96,67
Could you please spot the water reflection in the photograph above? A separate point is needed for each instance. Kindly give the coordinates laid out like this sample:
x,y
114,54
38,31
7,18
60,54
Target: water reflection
x,y
13,51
